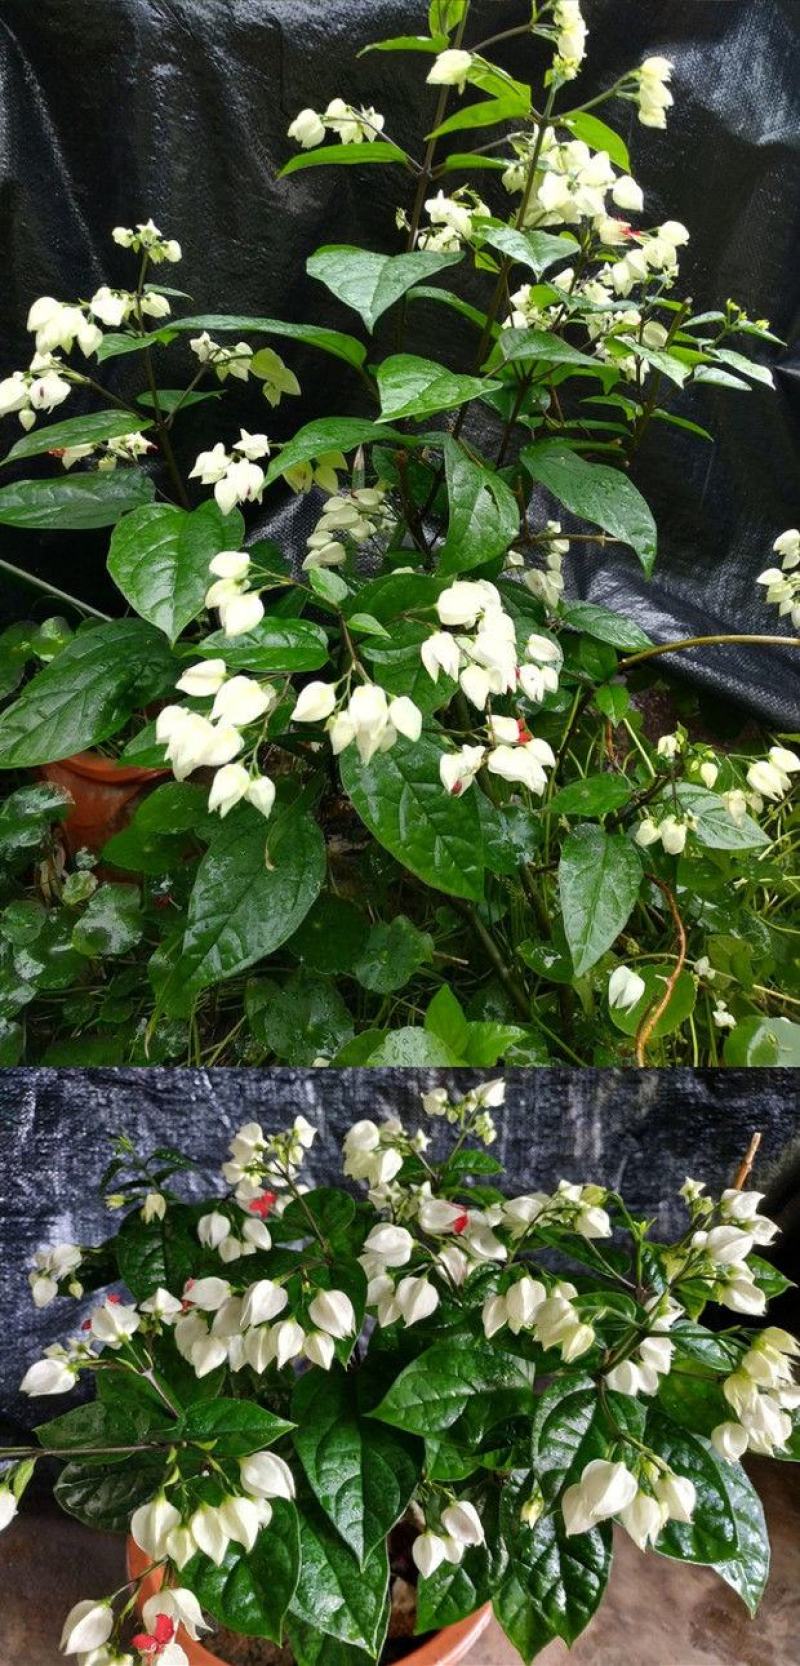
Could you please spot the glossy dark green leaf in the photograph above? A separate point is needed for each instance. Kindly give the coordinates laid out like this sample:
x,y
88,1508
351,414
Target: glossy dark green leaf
x,y
85,695
159,558
714,825
433,1391
538,250
400,798
328,434
251,1590
300,1019
111,922
361,1472
593,795
603,496
599,877
91,429
605,625
335,342
413,387
371,283
392,953
335,1593
75,502
348,156
483,513
232,1428
273,645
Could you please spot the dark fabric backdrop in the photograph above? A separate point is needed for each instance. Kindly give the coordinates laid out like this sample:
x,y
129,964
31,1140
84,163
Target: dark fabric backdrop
x,y
114,110
639,1131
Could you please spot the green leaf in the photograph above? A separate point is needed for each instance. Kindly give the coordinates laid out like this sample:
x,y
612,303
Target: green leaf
x,y
27,813
76,502
614,701
349,156
397,666
716,827
362,1473
594,795
538,250
400,798
484,513
605,625
763,1042
487,112
250,1591
335,342
232,1428
712,1535
553,1584
433,1391
335,1594
414,387
596,493
331,937
330,434
117,343
159,558
392,953
371,283
679,1008
600,136
158,1254
300,1019
100,1425
406,43
311,1647
411,1047
105,1498
85,695
599,878
273,645
83,430
111,923
254,885
446,1019
747,1573
520,346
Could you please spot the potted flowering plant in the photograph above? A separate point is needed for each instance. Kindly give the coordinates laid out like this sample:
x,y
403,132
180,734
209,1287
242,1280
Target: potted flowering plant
x,y
403,752
308,1399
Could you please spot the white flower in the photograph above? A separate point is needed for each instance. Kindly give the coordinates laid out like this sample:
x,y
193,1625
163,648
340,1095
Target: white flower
x,y
180,1605
463,1523
643,1519
463,602
730,1441
332,1311
655,97
320,1349
288,1337
267,1476
416,1299
523,1301
627,194
241,1519
8,1507
162,1305
669,746
209,1533
440,652
722,1018
307,129
392,1244
405,717
212,1229
207,1294
494,1315
625,988
518,763
673,834
241,613
230,564
678,1494
314,703
152,1523
241,700
229,786
428,1552
604,1490
203,679
87,1626
261,794
263,1301
368,716
450,69
49,1376
457,770
113,1323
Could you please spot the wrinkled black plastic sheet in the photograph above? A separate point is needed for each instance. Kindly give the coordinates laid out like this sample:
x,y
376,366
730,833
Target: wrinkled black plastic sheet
x,y
113,110
639,1131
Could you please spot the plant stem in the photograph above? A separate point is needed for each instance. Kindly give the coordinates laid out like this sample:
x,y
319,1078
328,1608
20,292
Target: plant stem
x,y
685,642
506,977
52,590
657,1011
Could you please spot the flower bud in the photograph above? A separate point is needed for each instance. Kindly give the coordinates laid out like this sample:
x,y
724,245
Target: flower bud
x,y
264,1475
314,703
463,1523
332,1311
263,1301
87,1626
8,1507
394,1245
319,1349
209,1533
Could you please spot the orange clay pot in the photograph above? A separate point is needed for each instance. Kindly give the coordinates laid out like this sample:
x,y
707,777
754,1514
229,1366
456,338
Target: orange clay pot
x,y
447,1648
105,795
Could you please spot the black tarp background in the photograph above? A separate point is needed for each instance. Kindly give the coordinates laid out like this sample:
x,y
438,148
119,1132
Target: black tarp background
x,y
113,110
640,1131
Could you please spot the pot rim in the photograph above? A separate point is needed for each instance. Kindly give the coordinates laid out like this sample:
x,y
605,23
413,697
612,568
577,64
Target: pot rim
x,y
92,766
447,1648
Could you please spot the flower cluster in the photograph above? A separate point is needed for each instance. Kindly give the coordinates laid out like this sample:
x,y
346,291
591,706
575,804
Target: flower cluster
x,y
242,361
571,39
641,1498
763,1393
350,126
782,583
452,220
367,717
52,1268
146,239
348,520
654,96
235,474
40,388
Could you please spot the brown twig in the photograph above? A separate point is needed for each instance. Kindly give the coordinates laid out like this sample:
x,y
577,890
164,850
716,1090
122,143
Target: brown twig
x,y
745,1167
657,1011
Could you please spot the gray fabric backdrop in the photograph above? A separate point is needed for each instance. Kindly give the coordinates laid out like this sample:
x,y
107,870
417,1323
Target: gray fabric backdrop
x,y
640,1131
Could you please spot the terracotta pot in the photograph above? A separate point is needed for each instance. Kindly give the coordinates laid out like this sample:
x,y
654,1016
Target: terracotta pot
x,y
447,1648
105,796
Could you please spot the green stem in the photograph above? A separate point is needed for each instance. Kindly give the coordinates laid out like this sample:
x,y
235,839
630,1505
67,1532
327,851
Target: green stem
x,y
487,941
52,590
685,642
